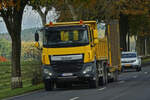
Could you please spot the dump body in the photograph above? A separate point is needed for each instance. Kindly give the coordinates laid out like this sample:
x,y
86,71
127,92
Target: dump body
x,y
108,47
102,49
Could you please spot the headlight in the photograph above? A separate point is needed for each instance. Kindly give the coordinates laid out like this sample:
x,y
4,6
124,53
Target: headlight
x,y
87,69
46,71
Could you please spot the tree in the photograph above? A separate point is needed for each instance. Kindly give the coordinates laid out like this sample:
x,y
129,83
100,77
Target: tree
x,y
139,26
43,7
122,9
12,12
80,10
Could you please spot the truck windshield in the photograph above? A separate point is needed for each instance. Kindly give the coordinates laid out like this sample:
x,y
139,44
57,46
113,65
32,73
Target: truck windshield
x,y
65,38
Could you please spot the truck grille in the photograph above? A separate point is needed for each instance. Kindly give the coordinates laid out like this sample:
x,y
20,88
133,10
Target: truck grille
x,y
67,67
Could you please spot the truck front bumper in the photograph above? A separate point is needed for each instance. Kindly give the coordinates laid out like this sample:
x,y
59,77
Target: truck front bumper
x,y
48,73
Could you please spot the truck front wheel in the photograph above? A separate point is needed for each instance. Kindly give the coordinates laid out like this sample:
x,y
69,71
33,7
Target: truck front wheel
x,y
94,83
48,85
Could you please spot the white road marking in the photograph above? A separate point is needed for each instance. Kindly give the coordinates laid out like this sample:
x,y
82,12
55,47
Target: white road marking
x,y
145,72
74,98
121,81
134,76
102,88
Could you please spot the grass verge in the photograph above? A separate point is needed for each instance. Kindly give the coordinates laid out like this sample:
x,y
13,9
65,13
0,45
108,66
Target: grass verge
x,y
28,69
146,60
28,88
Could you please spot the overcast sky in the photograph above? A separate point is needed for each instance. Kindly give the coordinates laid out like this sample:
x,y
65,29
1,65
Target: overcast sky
x,y
30,19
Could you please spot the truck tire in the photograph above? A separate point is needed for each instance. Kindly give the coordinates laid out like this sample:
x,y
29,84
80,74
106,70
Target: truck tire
x,y
94,83
48,85
106,75
114,78
104,80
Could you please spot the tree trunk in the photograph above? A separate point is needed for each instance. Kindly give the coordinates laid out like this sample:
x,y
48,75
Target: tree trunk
x,y
148,46
135,39
145,45
16,81
15,33
123,31
43,15
140,45
128,42
14,30
13,20
43,19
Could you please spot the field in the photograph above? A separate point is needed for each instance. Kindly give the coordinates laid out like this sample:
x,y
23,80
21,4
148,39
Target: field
x,y
29,71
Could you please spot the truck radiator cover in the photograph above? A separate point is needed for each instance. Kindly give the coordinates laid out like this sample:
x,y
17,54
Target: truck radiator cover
x,y
67,66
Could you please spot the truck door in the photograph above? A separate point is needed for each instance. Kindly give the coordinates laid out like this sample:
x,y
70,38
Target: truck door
x,y
91,39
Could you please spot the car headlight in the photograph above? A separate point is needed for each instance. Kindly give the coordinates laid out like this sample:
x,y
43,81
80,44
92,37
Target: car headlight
x,y
87,69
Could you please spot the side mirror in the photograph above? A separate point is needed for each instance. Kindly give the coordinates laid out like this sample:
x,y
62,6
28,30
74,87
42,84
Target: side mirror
x,y
37,44
95,34
96,41
36,36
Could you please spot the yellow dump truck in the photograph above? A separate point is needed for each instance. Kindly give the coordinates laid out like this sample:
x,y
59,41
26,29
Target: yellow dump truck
x,y
73,53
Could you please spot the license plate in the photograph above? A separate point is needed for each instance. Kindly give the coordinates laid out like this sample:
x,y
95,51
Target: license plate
x,y
127,65
67,74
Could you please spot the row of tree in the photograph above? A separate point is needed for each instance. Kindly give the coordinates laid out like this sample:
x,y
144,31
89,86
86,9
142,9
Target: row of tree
x,y
133,16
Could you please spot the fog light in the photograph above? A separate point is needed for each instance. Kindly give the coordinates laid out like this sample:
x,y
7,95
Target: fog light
x,y
84,72
50,74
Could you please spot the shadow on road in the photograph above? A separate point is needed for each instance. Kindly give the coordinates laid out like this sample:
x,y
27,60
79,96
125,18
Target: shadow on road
x,y
74,87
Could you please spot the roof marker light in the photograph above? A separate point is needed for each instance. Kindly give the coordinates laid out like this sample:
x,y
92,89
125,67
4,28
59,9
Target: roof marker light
x,y
81,21
51,23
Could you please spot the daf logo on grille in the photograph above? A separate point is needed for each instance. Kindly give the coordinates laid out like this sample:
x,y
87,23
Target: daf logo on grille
x,y
66,58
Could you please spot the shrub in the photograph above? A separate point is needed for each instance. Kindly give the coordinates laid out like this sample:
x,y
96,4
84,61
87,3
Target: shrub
x,y
3,59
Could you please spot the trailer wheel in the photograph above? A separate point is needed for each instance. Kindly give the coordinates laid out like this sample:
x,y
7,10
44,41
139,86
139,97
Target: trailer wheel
x,y
48,85
104,79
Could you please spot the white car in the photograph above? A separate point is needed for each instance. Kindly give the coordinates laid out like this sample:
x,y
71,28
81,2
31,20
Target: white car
x,y
130,60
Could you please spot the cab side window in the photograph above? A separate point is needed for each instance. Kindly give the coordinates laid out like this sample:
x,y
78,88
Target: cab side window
x,y
91,36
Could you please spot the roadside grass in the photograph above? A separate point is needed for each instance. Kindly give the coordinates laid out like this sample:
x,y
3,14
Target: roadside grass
x,y
28,88
28,70
146,60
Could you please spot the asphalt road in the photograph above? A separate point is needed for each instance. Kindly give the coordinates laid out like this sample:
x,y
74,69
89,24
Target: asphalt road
x,y
132,85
